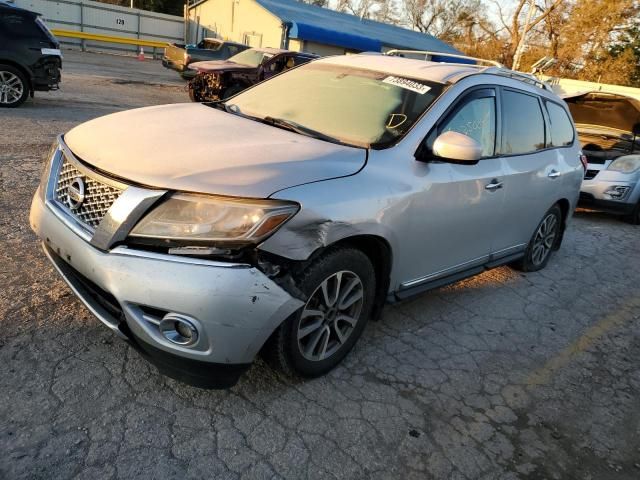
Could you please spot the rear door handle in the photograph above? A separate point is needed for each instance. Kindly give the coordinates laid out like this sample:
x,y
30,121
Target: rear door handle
x,y
494,185
553,174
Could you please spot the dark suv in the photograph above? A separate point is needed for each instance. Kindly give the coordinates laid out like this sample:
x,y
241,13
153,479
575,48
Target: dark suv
x,y
30,57
221,79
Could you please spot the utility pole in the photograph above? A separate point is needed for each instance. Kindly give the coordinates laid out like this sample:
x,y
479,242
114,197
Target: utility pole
x,y
523,38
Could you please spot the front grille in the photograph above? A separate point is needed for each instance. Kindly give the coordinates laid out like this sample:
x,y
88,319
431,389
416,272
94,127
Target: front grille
x,y
589,174
98,196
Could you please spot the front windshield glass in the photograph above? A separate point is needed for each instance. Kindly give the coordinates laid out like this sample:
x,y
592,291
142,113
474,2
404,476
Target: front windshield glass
x,y
356,106
252,58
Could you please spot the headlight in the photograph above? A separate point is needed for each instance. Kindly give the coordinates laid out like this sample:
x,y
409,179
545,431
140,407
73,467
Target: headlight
x,y
214,219
626,164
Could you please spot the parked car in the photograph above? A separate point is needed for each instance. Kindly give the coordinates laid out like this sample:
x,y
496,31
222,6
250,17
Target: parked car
x,y
223,79
30,58
282,220
178,56
609,126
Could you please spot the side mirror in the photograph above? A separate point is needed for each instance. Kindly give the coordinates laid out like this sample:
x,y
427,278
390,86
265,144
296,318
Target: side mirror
x,y
636,129
458,147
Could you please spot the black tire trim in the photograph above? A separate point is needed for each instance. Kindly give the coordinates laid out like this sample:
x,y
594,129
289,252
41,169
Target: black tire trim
x,y
26,91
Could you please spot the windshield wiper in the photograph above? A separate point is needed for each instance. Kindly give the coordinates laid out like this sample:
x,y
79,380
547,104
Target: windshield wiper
x,y
301,129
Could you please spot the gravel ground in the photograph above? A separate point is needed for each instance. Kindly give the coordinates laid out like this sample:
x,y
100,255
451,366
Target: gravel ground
x,y
506,375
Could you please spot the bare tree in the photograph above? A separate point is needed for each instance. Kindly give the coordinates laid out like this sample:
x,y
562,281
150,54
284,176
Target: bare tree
x,y
516,26
380,10
317,3
445,19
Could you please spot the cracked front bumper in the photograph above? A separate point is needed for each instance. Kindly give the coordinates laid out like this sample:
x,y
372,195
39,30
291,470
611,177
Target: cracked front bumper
x,y
235,307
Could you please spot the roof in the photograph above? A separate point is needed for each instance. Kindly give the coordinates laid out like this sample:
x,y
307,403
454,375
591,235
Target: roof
x,y
434,71
278,51
274,51
407,67
14,8
310,22
220,40
322,25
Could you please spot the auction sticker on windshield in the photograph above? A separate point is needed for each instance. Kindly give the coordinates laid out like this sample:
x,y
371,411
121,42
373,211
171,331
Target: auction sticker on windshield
x,y
412,85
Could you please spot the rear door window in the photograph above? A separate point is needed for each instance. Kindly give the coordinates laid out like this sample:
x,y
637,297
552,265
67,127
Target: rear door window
x,y
212,45
16,25
523,129
299,59
561,129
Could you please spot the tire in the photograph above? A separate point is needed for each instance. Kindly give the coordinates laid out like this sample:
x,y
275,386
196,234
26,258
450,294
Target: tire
x,y
344,272
543,242
231,91
634,217
194,95
14,88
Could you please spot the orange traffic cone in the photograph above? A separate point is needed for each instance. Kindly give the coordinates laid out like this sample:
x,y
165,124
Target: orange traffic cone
x,y
141,54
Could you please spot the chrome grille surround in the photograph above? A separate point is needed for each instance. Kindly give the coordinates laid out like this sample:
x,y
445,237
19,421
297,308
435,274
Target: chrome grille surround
x,y
99,195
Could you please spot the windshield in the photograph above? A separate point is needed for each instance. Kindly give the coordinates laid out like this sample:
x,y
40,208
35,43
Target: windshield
x,y
355,106
252,58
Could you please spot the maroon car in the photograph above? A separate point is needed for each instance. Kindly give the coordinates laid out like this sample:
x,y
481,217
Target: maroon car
x,y
220,79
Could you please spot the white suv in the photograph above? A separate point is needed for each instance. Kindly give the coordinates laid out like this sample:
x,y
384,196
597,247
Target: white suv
x,y
282,219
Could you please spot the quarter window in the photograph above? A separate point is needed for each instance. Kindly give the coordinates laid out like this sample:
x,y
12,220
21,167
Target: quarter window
x,y
476,119
561,128
522,124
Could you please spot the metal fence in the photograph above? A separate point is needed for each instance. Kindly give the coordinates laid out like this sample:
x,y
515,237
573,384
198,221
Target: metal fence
x,y
103,18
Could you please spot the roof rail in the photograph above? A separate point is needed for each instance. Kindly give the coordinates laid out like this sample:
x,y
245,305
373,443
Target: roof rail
x,y
427,56
523,77
495,68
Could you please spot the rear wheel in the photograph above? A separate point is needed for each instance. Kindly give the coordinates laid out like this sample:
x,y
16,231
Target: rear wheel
x,y
543,242
340,288
14,88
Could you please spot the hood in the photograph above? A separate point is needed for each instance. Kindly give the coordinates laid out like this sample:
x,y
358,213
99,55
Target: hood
x,y
607,110
219,65
195,148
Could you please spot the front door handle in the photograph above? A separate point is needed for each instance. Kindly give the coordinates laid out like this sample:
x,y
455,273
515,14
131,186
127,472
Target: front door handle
x,y
494,185
553,174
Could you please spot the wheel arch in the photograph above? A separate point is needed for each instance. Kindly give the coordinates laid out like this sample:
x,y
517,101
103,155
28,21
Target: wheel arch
x,y
25,71
565,208
379,252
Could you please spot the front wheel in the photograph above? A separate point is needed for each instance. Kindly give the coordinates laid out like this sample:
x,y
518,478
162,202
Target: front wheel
x,y
14,88
340,290
194,94
543,242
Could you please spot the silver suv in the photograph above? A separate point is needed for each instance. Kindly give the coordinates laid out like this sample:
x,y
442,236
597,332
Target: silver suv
x,y
609,129
281,220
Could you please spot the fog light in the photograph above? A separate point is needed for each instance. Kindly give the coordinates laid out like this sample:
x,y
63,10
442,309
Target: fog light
x,y
178,329
617,192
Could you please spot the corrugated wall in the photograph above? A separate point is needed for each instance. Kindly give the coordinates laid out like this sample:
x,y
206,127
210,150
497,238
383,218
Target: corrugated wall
x,y
106,19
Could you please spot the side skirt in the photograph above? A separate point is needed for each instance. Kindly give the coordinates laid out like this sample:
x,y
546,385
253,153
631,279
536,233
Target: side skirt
x,y
404,294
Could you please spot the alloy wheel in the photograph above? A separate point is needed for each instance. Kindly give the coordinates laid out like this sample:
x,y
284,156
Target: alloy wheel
x,y
330,315
544,239
11,88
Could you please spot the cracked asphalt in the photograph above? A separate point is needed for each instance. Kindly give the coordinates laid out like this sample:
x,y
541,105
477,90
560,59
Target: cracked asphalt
x,y
503,376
